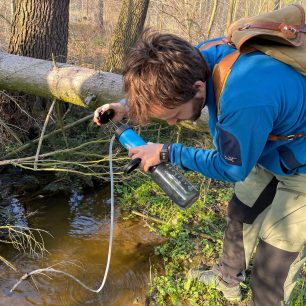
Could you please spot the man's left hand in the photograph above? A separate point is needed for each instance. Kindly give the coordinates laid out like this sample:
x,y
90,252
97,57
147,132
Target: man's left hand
x,y
149,154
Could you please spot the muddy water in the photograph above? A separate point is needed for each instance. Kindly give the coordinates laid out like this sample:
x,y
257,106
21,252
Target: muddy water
x,y
80,227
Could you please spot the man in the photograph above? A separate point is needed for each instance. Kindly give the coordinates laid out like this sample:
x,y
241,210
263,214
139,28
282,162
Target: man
x,y
167,78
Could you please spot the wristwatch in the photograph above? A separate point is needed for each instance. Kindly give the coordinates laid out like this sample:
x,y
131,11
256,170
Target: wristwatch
x,y
164,153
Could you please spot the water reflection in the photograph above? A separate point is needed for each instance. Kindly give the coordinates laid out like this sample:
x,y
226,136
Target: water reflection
x,y
80,226
15,213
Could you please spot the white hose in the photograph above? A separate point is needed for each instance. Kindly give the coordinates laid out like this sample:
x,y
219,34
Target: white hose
x,y
52,270
111,229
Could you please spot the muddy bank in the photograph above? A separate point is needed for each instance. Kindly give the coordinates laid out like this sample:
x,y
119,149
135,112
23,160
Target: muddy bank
x,y
27,185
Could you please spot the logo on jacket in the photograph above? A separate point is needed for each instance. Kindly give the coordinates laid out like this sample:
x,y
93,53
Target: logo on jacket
x,y
231,159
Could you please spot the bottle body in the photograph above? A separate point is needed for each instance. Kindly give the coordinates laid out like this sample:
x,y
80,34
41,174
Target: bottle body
x,y
173,183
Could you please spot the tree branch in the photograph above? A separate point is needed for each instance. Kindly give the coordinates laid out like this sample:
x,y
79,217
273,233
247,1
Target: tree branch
x,y
4,18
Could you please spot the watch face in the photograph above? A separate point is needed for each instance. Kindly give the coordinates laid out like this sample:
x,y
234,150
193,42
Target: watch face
x,y
164,153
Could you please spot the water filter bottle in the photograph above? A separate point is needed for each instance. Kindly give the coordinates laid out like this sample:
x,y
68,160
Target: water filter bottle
x,y
165,175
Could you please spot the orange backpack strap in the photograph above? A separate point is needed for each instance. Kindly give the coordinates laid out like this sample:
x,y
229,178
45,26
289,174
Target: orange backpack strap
x,y
220,74
289,137
221,70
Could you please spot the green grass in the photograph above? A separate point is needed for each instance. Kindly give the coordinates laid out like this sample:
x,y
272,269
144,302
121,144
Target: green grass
x,y
298,297
193,237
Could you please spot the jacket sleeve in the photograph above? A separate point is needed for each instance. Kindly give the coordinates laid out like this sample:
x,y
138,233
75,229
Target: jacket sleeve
x,y
240,138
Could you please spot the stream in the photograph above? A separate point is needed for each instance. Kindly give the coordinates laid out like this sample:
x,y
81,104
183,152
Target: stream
x,y
80,228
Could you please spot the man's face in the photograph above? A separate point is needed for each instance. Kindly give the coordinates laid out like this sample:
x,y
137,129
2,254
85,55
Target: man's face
x,y
188,111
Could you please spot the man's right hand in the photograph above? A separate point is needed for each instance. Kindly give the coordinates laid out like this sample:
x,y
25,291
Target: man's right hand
x,y
119,108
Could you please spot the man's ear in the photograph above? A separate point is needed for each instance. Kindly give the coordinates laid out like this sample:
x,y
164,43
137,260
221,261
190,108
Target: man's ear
x,y
200,87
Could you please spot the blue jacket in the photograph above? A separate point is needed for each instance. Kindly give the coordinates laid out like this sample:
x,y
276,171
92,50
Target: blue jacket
x,y
262,96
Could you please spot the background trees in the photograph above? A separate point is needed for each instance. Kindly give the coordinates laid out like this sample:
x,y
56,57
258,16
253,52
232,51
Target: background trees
x,y
130,23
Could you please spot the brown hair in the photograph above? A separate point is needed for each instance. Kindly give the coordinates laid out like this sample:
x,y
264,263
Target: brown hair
x,y
161,69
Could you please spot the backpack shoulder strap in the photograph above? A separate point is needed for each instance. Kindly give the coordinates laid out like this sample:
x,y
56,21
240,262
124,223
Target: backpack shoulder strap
x,y
221,70
289,137
214,43
220,74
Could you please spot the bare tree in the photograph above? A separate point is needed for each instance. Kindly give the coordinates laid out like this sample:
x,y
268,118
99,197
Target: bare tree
x,y
99,14
130,23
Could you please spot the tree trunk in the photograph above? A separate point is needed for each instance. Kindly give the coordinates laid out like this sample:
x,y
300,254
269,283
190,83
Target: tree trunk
x,y
99,15
40,29
68,83
130,23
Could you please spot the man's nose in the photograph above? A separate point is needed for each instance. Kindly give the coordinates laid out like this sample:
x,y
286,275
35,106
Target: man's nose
x,y
172,121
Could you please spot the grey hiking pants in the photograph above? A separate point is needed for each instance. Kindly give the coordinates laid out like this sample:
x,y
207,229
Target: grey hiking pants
x,y
266,213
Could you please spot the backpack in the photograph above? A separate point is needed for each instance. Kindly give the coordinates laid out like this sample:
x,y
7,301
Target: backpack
x,y
279,34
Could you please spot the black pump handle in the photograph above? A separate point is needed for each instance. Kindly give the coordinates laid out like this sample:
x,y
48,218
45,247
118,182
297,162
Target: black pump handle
x,y
104,117
132,165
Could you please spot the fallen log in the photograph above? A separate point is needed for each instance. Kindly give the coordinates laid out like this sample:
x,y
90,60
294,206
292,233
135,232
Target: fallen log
x,y
65,82
73,84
